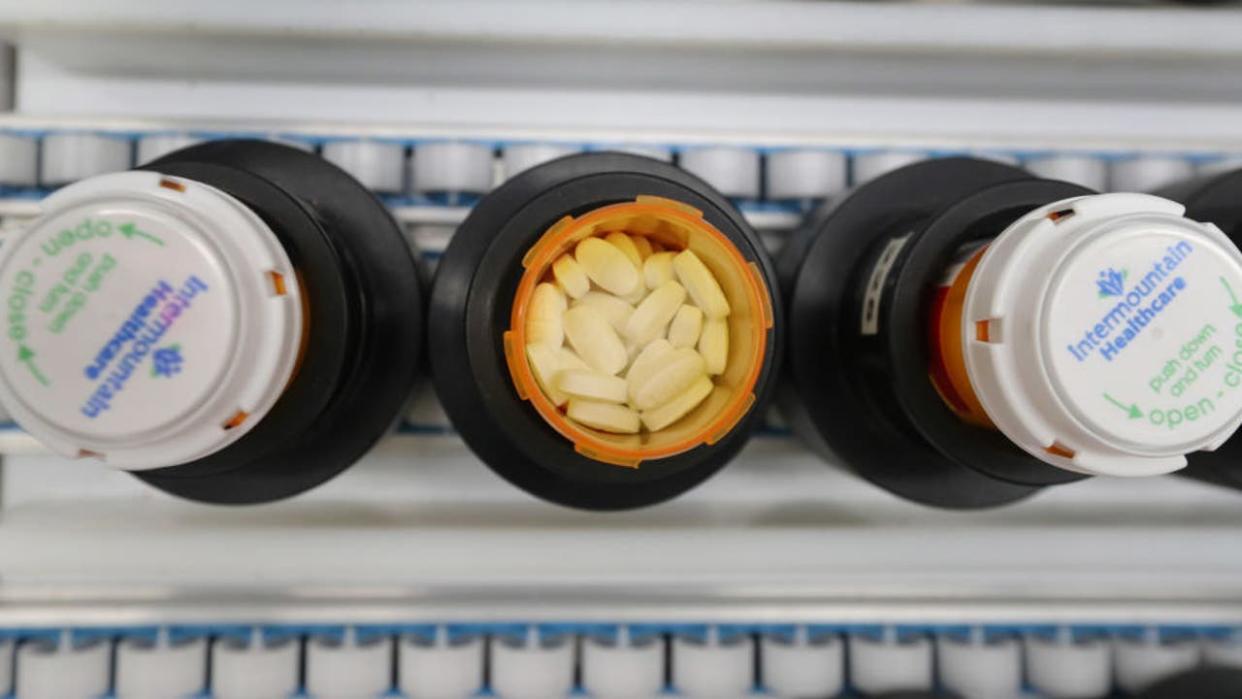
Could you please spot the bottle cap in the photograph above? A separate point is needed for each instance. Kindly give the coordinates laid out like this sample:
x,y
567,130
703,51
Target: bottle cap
x,y
150,320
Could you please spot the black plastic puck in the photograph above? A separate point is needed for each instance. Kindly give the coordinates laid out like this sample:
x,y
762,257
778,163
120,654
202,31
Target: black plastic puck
x,y
864,395
364,316
471,302
1200,683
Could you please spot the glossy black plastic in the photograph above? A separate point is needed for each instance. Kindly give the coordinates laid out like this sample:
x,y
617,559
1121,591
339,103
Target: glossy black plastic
x,y
471,302
364,316
865,398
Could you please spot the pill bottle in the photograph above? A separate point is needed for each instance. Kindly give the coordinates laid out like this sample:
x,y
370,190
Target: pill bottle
x,y
483,316
963,333
234,322
1217,198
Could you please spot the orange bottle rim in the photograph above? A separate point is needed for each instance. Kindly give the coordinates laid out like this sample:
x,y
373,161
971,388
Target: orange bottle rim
x,y
538,261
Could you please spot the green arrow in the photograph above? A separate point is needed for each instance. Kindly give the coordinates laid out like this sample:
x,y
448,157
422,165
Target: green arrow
x,y
1132,408
25,355
129,230
1236,307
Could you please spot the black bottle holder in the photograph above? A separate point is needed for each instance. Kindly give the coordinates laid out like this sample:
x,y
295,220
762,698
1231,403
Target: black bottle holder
x,y
364,317
1216,199
864,397
471,301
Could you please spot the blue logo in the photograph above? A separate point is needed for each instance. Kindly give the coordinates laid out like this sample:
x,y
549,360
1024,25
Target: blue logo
x,y
166,361
1111,282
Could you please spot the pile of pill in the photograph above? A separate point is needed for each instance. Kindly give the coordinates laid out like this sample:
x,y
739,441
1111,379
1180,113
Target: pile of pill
x,y
646,329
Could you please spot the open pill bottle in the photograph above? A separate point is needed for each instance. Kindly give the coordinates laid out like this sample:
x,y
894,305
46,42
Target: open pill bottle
x,y
568,282
963,333
235,322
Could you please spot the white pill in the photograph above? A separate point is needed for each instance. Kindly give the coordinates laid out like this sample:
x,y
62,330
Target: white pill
x,y
636,296
615,310
594,340
646,363
608,417
675,409
658,269
569,360
653,315
686,327
675,374
626,245
591,385
607,266
700,284
570,276
545,362
543,316
643,245
714,345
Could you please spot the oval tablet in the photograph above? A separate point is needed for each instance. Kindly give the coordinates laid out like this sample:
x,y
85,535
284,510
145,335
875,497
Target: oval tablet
x,y
714,345
700,284
654,313
594,340
592,385
643,245
686,326
570,276
607,266
672,411
658,269
646,363
672,377
543,316
626,245
615,310
608,417
545,364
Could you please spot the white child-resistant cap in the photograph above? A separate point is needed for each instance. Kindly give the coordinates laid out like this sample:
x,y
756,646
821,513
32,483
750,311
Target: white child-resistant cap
x,y
1103,334
150,320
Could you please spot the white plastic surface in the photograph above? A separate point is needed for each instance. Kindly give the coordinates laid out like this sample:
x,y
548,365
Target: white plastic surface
x,y
348,668
734,172
890,664
378,165
871,164
62,670
1109,331
623,670
1063,668
160,670
1086,170
69,157
158,321
1148,172
254,669
980,668
806,174
452,167
440,670
516,157
1140,663
713,668
158,145
804,667
532,669
19,160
